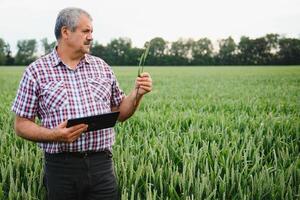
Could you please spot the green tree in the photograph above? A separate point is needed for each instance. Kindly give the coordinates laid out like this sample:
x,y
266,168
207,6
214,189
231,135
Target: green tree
x,y
9,59
181,52
109,55
245,51
227,52
2,52
259,51
134,55
118,51
273,42
26,51
272,48
99,50
47,47
289,53
202,52
157,51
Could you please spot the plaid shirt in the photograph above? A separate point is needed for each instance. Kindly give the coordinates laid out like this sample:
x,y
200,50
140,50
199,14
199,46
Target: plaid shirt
x,y
53,92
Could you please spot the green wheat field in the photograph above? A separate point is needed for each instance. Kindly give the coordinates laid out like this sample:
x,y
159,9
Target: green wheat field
x,y
203,133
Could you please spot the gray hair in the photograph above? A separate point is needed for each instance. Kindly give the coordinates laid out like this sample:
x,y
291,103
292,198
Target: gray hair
x,y
68,17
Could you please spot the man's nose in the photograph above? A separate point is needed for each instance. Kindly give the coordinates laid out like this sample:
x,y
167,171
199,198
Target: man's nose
x,y
90,37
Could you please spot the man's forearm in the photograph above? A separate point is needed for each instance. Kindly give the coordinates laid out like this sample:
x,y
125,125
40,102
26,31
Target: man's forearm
x,y
129,105
143,85
29,130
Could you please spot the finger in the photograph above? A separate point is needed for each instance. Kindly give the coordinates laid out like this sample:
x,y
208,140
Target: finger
x,y
74,135
148,84
76,127
144,79
148,89
145,74
78,132
63,124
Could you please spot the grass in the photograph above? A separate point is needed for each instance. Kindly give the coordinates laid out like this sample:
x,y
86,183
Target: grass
x,y
203,133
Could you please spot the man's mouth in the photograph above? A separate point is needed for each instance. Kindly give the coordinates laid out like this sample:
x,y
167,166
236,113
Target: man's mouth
x,y
87,43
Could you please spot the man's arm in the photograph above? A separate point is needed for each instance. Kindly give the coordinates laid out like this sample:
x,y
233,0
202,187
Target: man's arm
x,y
28,129
129,104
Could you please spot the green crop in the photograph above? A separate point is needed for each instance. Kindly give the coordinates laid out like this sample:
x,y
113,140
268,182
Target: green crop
x,y
202,133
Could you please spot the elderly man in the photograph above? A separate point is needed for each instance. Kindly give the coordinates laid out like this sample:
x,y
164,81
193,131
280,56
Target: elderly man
x,y
70,83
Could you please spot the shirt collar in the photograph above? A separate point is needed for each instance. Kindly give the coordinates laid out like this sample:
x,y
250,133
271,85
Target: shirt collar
x,y
55,59
87,59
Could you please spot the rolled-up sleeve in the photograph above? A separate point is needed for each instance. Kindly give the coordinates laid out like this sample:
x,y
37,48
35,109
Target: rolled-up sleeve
x,y
25,103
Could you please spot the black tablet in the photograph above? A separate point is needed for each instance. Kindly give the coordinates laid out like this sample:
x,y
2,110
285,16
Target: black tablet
x,y
96,122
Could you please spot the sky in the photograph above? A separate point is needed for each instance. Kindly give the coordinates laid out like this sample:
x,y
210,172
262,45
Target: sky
x,y
142,20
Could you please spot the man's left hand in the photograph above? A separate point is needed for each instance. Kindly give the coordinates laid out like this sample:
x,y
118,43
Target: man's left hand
x,y
143,83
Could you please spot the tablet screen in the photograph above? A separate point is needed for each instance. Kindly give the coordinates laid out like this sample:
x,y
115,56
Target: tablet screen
x,y
96,122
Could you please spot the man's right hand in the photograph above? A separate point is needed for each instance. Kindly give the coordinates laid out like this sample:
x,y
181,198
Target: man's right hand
x,y
28,129
63,134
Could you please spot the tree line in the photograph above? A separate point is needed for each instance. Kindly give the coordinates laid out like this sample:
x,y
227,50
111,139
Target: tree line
x,y
270,49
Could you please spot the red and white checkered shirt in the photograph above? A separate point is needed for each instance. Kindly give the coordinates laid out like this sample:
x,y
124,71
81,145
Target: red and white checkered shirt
x,y
54,93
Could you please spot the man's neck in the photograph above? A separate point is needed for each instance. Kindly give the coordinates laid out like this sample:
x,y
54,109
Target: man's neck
x,y
68,56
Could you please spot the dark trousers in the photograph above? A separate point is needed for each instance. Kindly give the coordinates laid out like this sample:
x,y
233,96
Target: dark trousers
x,y
80,176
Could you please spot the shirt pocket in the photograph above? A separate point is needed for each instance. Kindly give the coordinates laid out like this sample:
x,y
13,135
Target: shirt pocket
x,y
55,95
100,89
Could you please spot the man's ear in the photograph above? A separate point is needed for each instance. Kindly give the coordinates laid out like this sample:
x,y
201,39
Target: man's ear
x,y
64,32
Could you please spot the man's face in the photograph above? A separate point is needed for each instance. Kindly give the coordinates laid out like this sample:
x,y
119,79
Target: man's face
x,y
81,38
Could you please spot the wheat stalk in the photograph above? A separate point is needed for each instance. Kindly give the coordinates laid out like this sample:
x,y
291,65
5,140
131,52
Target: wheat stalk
x,y
141,67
